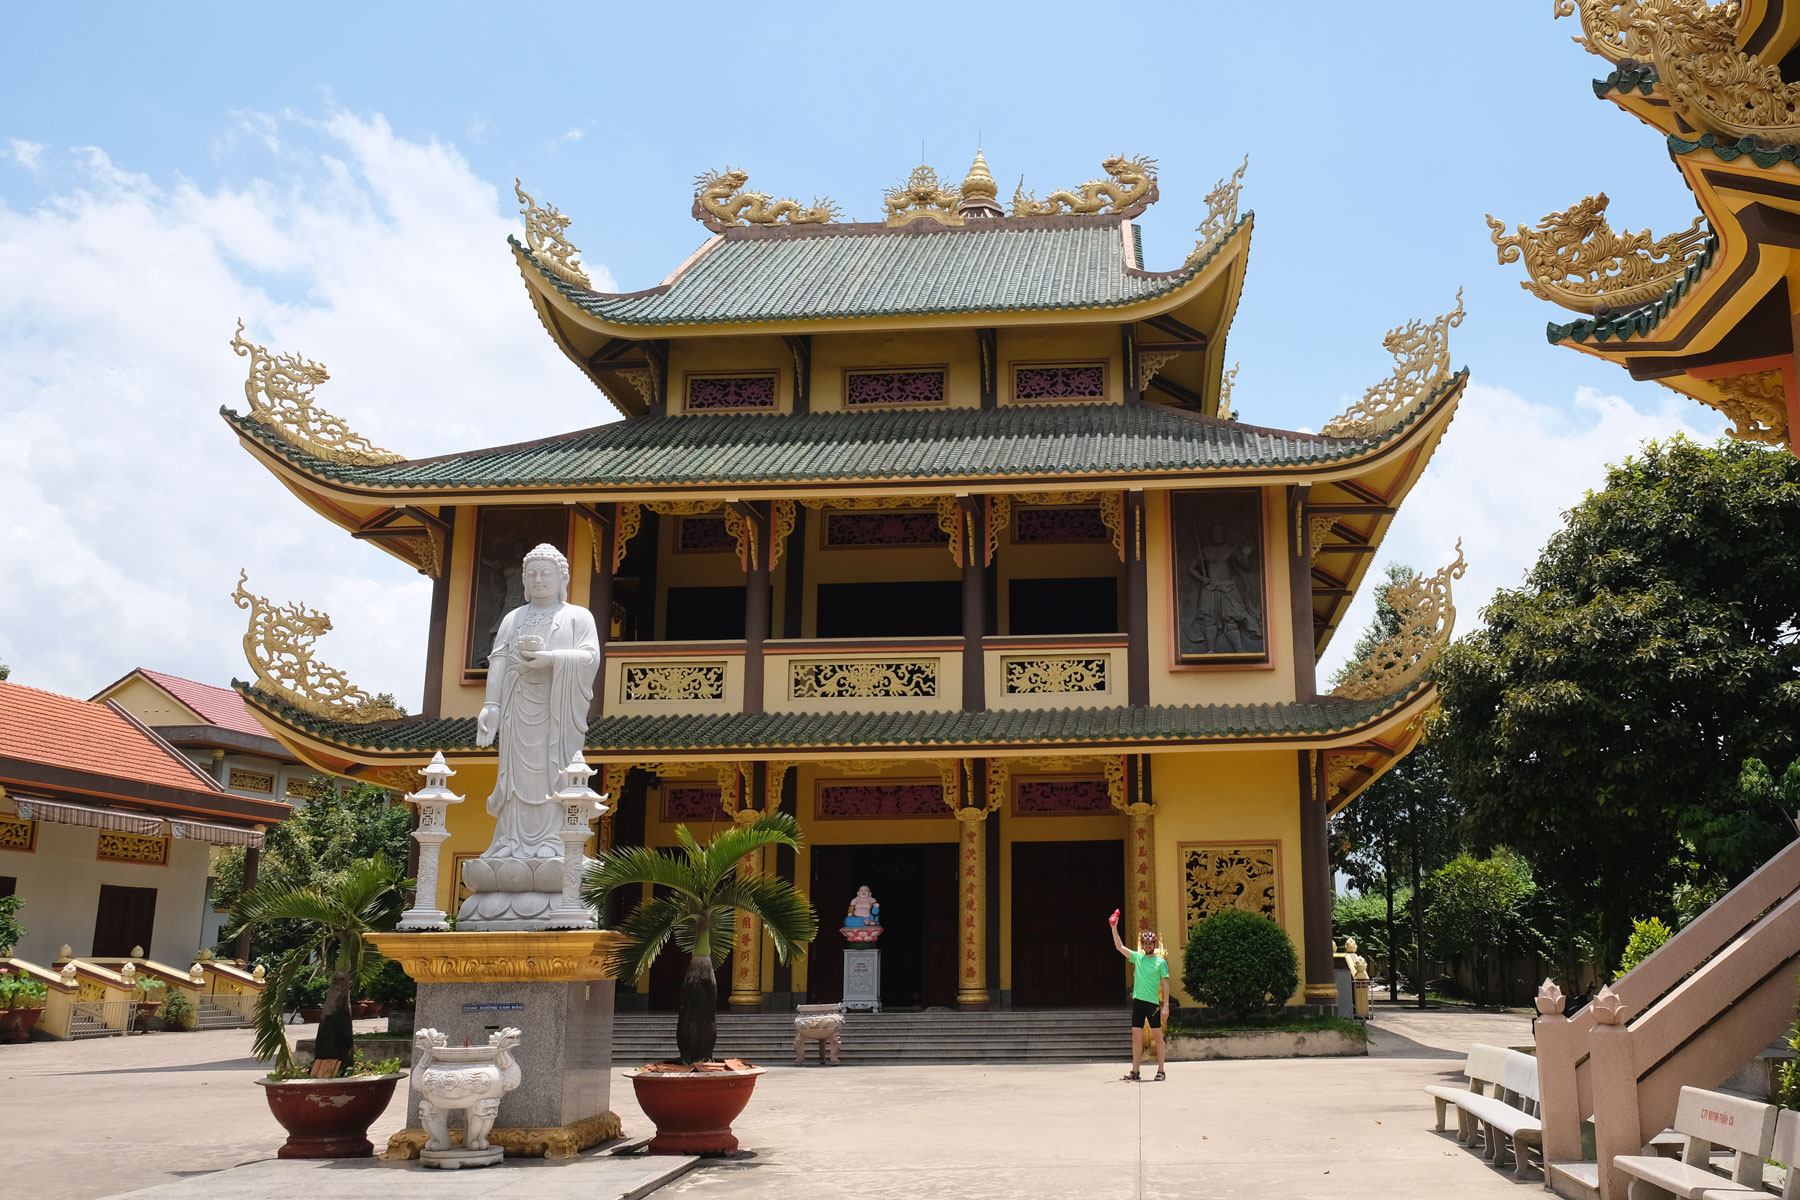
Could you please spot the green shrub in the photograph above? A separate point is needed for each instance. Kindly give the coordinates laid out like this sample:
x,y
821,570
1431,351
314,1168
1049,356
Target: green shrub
x,y
1646,936
178,1010
19,990
1240,963
390,986
11,932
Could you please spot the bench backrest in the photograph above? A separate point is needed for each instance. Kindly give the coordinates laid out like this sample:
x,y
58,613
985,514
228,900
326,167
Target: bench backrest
x,y
1715,1119
1787,1150
1485,1066
1519,1079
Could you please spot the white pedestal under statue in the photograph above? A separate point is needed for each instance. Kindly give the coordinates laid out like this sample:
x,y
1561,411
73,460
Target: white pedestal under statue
x,y
862,979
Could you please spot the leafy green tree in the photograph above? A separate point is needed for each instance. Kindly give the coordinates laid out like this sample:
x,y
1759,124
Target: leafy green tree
x,y
1599,720
1477,908
5,671
11,931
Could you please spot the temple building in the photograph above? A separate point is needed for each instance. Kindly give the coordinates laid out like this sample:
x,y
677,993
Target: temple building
x,y
938,531
1708,311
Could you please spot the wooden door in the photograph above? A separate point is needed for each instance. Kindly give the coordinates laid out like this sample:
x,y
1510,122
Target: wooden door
x,y
825,957
937,973
1061,953
125,920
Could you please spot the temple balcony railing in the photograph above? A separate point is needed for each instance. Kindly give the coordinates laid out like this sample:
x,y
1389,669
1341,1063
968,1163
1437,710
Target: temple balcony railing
x,y
862,674
674,677
1067,671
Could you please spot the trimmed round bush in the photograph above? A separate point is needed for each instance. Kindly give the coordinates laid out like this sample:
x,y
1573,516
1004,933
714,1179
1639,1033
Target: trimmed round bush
x,y
1239,962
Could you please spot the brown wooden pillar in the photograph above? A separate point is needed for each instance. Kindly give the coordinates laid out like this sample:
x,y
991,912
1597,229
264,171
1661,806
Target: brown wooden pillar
x,y
432,702
1315,882
756,603
746,955
600,600
972,889
1137,602
1299,565
1128,353
972,512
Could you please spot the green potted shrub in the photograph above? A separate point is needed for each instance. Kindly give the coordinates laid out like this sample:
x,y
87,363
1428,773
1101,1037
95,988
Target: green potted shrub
x,y
327,1109
147,991
693,1100
179,1012
21,1004
1240,963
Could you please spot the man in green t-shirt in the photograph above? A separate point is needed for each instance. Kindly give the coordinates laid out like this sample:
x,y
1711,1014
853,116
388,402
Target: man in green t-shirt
x,y
1149,996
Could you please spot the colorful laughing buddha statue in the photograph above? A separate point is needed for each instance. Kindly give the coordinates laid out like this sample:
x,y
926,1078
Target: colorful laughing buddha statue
x,y
865,910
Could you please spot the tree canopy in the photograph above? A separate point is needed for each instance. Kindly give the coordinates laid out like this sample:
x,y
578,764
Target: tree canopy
x,y
1599,721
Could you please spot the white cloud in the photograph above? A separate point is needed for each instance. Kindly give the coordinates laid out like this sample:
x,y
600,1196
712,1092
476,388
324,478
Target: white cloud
x,y
27,154
126,508
1508,468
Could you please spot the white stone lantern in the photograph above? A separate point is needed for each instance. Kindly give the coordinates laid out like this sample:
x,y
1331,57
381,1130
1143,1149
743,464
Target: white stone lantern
x,y
580,804
433,802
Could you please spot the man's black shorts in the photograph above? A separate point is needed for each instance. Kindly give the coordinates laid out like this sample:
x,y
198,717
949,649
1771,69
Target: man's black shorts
x,y
1143,1011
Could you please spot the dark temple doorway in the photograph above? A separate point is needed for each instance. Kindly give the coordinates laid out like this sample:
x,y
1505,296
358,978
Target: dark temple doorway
x,y
916,886
124,920
1061,895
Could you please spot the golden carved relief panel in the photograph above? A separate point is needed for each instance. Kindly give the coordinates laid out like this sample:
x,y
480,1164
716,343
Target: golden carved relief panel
x,y
16,834
132,848
1221,875
862,679
674,681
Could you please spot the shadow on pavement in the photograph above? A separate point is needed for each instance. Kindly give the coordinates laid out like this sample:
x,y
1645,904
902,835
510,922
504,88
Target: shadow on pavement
x,y
223,1064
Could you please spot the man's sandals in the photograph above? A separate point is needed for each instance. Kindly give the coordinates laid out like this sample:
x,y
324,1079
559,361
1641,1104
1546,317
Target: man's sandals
x,y
1134,1077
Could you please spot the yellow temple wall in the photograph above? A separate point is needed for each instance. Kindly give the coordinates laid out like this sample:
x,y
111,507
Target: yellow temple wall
x,y
1223,683
955,351
730,356
1026,346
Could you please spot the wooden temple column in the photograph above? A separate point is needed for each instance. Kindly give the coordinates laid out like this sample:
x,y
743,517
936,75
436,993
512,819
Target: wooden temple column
x,y
431,704
757,600
971,888
971,512
605,533
1315,882
1137,603
1300,597
746,957
1140,850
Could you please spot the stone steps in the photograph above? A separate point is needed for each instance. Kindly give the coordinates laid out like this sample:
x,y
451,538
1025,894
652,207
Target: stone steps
x,y
213,1016
1035,1036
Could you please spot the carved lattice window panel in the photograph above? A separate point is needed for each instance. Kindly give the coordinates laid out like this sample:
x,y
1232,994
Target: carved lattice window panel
x,y
725,393
674,681
1220,875
685,802
132,848
1056,673
883,389
16,834
299,787
863,679
1061,797
251,781
1060,381
1062,523
878,529
701,535
889,798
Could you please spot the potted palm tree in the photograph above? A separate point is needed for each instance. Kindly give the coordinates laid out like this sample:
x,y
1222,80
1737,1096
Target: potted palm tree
x,y
327,1109
693,1100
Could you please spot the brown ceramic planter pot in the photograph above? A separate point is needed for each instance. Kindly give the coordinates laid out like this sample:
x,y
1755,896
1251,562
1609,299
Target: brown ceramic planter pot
x,y
362,1010
312,1016
328,1118
693,1112
16,1023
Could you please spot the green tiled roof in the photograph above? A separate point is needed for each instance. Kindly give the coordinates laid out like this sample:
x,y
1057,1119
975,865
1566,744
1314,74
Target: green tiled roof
x,y
1173,724
1727,151
826,272
900,444
1642,77
1638,322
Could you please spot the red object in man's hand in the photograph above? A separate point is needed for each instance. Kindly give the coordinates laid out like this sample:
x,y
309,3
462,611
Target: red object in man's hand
x,y
1114,919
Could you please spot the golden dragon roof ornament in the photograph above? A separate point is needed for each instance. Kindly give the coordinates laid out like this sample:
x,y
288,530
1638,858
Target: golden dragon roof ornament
x,y
922,199
1576,260
280,391
1221,213
1713,85
1421,362
1426,615
279,646
720,200
545,231
1131,187
1605,25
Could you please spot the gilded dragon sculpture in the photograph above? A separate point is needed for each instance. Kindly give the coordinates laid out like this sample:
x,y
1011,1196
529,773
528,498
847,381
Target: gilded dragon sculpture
x,y
279,647
720,200
280,391
922,199
1132,185
1221,213
1426,614
1715,86
1575,259
1605,25
1756,402
1421,362
546,234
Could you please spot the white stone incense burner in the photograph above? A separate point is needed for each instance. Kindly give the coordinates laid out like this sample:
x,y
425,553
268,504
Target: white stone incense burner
x,y
471,1078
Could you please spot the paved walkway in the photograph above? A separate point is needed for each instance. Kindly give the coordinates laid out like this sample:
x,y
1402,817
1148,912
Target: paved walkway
x,y
94,1119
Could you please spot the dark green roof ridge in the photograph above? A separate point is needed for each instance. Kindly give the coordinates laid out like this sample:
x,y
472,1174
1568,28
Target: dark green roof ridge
x,y
1639,75
1730,151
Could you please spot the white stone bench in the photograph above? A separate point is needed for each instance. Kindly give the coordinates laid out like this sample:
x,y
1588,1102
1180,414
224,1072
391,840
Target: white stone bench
x,y
1785,1150
1509,1118
1483,1070
1708,1119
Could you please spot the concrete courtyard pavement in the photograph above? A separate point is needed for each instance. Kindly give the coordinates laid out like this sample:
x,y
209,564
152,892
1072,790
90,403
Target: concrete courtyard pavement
x,y
93,1119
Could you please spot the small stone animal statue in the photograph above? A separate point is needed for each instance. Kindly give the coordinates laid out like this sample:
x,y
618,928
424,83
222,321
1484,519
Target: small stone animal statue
x,y
472,1078
821,1023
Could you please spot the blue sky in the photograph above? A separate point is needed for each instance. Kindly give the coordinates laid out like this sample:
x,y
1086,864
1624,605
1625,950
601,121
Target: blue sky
x,y
341,177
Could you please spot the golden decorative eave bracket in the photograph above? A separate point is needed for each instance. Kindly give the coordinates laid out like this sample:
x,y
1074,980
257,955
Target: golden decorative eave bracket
x,y
1422,362
1575,259
1755,401
546,233
280,392
1425,615
720,201
279,647
1130,188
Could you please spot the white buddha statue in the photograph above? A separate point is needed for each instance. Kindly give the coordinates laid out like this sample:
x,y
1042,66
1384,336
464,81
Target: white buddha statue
x,y
539,685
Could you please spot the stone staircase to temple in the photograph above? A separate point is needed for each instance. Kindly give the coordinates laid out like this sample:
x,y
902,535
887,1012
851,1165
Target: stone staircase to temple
x,y
1010,1036
216,1016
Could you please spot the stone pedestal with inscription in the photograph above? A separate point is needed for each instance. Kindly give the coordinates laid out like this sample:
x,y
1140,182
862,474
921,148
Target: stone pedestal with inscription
x,y
862,979
552,986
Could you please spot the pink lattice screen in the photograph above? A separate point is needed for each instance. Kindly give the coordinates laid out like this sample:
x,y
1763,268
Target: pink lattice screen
x,y
1042,797
1060,524
708,393
692,804
1076,381
883,528
877,389
916,799
698,534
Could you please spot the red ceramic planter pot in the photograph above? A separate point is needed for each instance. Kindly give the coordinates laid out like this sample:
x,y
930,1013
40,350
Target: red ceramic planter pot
x,y
16,1023
693,1112
328,1118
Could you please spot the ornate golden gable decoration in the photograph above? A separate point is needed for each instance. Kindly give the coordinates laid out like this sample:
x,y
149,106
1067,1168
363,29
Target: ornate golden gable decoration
x,y
279,647
922,199
1422,362
544,234
1576,260
280,388
1112,767
1133,183
1756,402
1426,616
1227,381
720,200
1221,213
1710,82
1605,25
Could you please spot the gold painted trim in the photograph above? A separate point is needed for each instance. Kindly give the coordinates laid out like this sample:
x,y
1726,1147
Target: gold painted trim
x,y
551,1141
501,956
